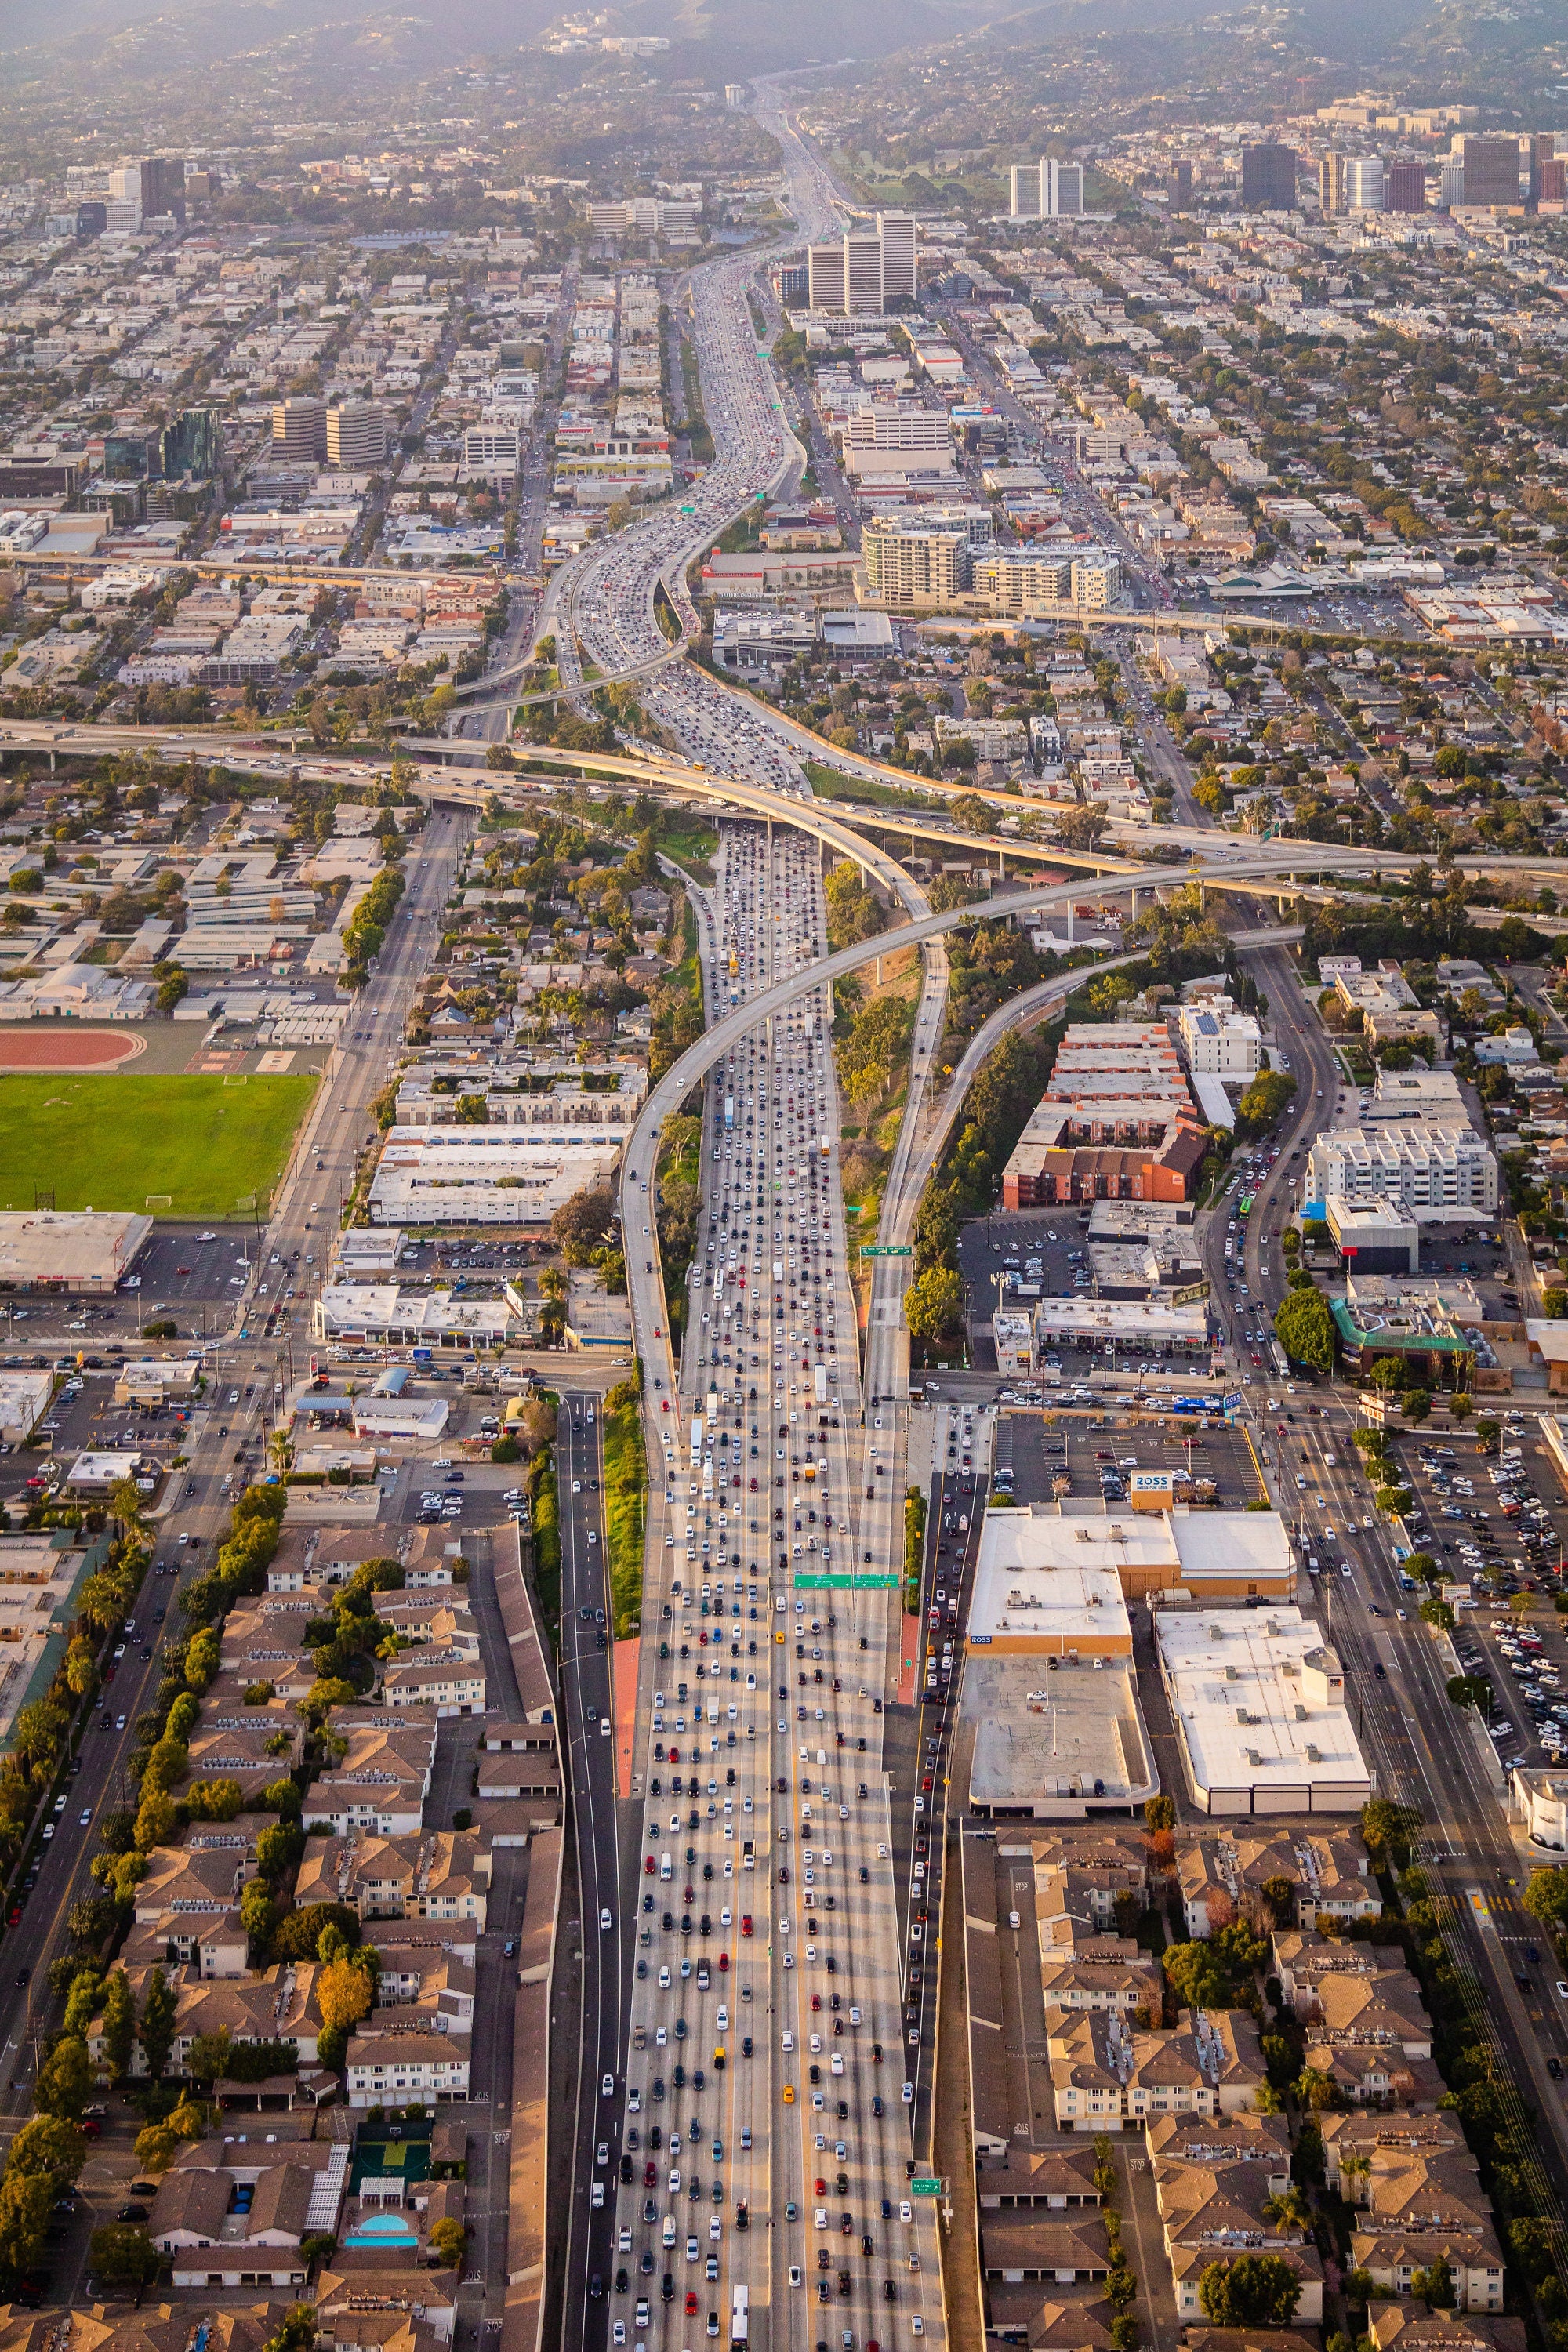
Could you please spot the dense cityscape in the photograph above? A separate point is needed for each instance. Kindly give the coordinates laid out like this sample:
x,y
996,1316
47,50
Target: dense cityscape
x,y
783,1001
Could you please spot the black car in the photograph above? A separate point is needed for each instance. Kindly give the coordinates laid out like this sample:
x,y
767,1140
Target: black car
x,y
132,2213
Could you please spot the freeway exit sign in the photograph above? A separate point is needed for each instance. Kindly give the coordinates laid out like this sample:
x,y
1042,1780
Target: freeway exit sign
x,y
926,2185
886,1249
818,1579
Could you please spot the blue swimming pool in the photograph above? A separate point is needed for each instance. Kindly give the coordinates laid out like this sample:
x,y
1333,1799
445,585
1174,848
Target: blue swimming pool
x,y
382,2230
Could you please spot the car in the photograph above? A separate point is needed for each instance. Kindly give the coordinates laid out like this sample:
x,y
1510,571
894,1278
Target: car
x,y
606,1920
607,2087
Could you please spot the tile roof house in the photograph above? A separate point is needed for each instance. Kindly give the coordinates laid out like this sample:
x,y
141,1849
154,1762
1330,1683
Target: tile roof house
x,y
442,1875
218,2235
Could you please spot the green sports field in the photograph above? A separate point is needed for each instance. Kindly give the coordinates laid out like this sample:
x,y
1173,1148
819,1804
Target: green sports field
x,y
121,1142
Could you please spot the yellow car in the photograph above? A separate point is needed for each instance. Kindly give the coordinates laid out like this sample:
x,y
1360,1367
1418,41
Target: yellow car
x,y
789,2094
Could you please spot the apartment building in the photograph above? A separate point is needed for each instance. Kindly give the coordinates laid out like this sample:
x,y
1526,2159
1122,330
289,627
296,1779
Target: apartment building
x,y
1425,1166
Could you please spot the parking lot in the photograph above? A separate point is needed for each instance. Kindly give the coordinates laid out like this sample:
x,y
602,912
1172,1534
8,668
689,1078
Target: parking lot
x,y
1497,1524
1095,1460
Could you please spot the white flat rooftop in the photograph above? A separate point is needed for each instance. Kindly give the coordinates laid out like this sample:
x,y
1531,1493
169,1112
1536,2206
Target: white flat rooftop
x,y
1257,1733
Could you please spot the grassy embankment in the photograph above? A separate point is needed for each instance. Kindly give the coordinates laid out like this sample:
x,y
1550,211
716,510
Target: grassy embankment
x,y
626,1505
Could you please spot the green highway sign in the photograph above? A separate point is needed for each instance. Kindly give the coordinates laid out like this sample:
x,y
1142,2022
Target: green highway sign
x,y
925,2185
818,1579
886,1249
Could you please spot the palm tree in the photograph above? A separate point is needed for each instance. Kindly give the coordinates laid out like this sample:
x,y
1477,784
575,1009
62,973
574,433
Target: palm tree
x,y
125,1506
1288,2210
1353,2169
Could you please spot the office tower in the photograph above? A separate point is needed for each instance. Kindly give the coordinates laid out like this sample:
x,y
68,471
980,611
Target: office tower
x,y
1491,172
735,96
1268,178
1542,150
792,280
192,443
897,231
863,274
162,187
825,278
356,433
1405,186
1332,193
1179,185
1364,183
923,565
133,457
1451,186
121,216
1554,176
1024,184
125,185
1061,188
300,428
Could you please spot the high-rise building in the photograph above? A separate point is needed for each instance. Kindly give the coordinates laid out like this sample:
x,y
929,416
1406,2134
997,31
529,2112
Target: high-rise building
x,y
1405,186
1268,178
825,276
1179,185
897,231
125,185
1491,172
1542,150
1024,191
192,443
300,428
863,274
735,96
1451,186
1061,188
356,434
792,282
1364,183
162,187
121,216
920,566
1332,193
1553,180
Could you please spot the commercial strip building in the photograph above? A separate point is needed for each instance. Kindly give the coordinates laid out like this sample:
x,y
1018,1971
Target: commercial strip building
x,y
1432,1329
1257,1699
86,1250
382,1314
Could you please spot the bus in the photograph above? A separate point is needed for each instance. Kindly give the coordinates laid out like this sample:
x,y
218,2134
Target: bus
x,y
740,2320
1208,1405
1243,1206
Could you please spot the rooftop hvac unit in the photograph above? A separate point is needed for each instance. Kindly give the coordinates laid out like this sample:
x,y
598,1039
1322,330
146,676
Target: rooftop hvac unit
x,y
1313,1756
1217,1633
1301,1714
1231,1675
1269,1626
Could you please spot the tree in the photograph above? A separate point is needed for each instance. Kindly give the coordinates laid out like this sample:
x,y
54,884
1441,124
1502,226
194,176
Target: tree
x,y
158,2012
26,2202
1418,1405
935,1306
65,2083
209,2058
155,1820
447,2240
155,2148
1468,1690
1387,1829
1435,2284
1107,996
1288,2210
1545,1898
1306,1329
202,1658
118,2023
1250,2290
48,2146
581,1224
345,1993
123,2256
1159,1813
90,1920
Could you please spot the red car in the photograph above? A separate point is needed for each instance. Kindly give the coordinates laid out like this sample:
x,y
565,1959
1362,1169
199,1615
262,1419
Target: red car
x,y
745,1923
691,2302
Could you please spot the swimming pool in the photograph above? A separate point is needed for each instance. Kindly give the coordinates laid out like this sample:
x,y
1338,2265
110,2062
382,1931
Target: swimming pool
x,y
382,2230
